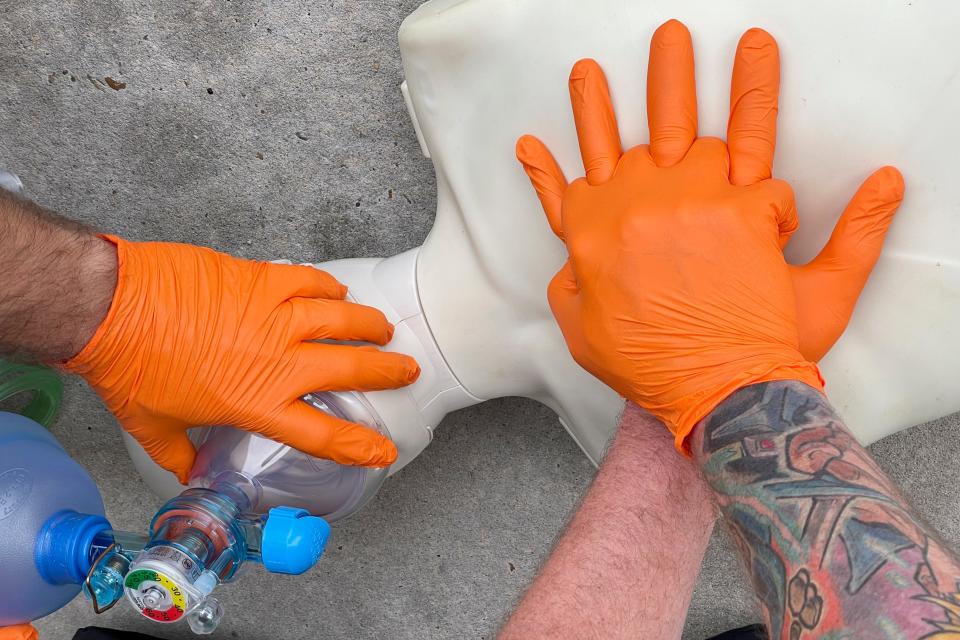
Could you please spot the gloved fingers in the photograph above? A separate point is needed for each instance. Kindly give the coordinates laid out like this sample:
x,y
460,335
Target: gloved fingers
x,y
340,367
325,436
318,319
858,237
546,176
563,296
18,632
302,281
170,448
564,282
754,98
596,123
671,94
780,194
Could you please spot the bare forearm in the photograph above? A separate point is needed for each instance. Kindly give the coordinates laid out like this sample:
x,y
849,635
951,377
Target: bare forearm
x,y
626,565
833,548
58,281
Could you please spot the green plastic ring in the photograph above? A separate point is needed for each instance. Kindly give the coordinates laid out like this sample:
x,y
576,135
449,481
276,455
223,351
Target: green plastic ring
x,y
44,383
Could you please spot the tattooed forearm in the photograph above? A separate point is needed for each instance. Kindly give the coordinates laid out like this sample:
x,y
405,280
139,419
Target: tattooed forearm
x,y
833,549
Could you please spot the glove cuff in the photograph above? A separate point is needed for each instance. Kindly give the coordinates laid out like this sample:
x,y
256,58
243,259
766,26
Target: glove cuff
x,y
683,425
83,362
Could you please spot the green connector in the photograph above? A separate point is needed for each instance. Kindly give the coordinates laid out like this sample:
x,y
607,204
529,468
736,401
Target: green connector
x,y
43,383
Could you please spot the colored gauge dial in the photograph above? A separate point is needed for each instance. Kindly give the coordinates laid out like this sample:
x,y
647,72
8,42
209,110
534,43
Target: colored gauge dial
x,y
141,581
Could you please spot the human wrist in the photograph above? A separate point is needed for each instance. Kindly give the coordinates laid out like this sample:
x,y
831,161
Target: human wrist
x,y
60,277
733,405
98,274
123,325
642,441
682,413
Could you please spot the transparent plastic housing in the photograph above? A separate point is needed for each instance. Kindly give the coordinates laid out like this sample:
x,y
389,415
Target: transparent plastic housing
x,y
271,474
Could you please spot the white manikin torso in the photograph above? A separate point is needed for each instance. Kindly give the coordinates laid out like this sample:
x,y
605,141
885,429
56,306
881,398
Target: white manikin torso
x,y
863,84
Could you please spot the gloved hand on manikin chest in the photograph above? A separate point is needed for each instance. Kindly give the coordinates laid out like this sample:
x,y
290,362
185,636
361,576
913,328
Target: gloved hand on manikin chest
x,y
676,291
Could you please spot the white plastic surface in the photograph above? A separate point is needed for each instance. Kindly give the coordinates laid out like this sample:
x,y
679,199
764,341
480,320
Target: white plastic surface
x,y
410,413
865,83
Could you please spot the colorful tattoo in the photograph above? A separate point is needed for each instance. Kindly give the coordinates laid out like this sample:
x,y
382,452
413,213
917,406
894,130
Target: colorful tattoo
x,y
833,549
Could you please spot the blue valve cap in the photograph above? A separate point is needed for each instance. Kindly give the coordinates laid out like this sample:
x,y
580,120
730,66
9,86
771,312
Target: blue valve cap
x,y
293,540
62,549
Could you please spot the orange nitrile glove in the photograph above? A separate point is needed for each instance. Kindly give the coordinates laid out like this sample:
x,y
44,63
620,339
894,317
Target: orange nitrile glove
x,y
676,292
18,632
196,337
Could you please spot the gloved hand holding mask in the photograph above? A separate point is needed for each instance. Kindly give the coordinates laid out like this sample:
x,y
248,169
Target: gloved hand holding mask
x,y
196,337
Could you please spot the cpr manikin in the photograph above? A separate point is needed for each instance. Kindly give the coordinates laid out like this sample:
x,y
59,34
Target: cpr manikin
x,y
470,304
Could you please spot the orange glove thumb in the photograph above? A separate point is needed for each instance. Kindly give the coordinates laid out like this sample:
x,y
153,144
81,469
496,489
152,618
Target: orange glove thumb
x,y
827,288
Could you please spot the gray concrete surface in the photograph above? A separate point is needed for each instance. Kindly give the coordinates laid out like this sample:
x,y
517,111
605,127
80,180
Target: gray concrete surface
x,y
273,129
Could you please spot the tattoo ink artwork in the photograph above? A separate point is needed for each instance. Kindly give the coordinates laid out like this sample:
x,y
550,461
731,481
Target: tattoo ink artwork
x,y
833,549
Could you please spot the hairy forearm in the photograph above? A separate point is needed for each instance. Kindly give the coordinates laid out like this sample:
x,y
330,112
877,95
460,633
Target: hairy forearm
x,y
58,281
833,548
626,565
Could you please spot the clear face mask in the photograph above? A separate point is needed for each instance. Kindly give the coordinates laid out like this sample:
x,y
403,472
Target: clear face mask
x,y
271,474
249,499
